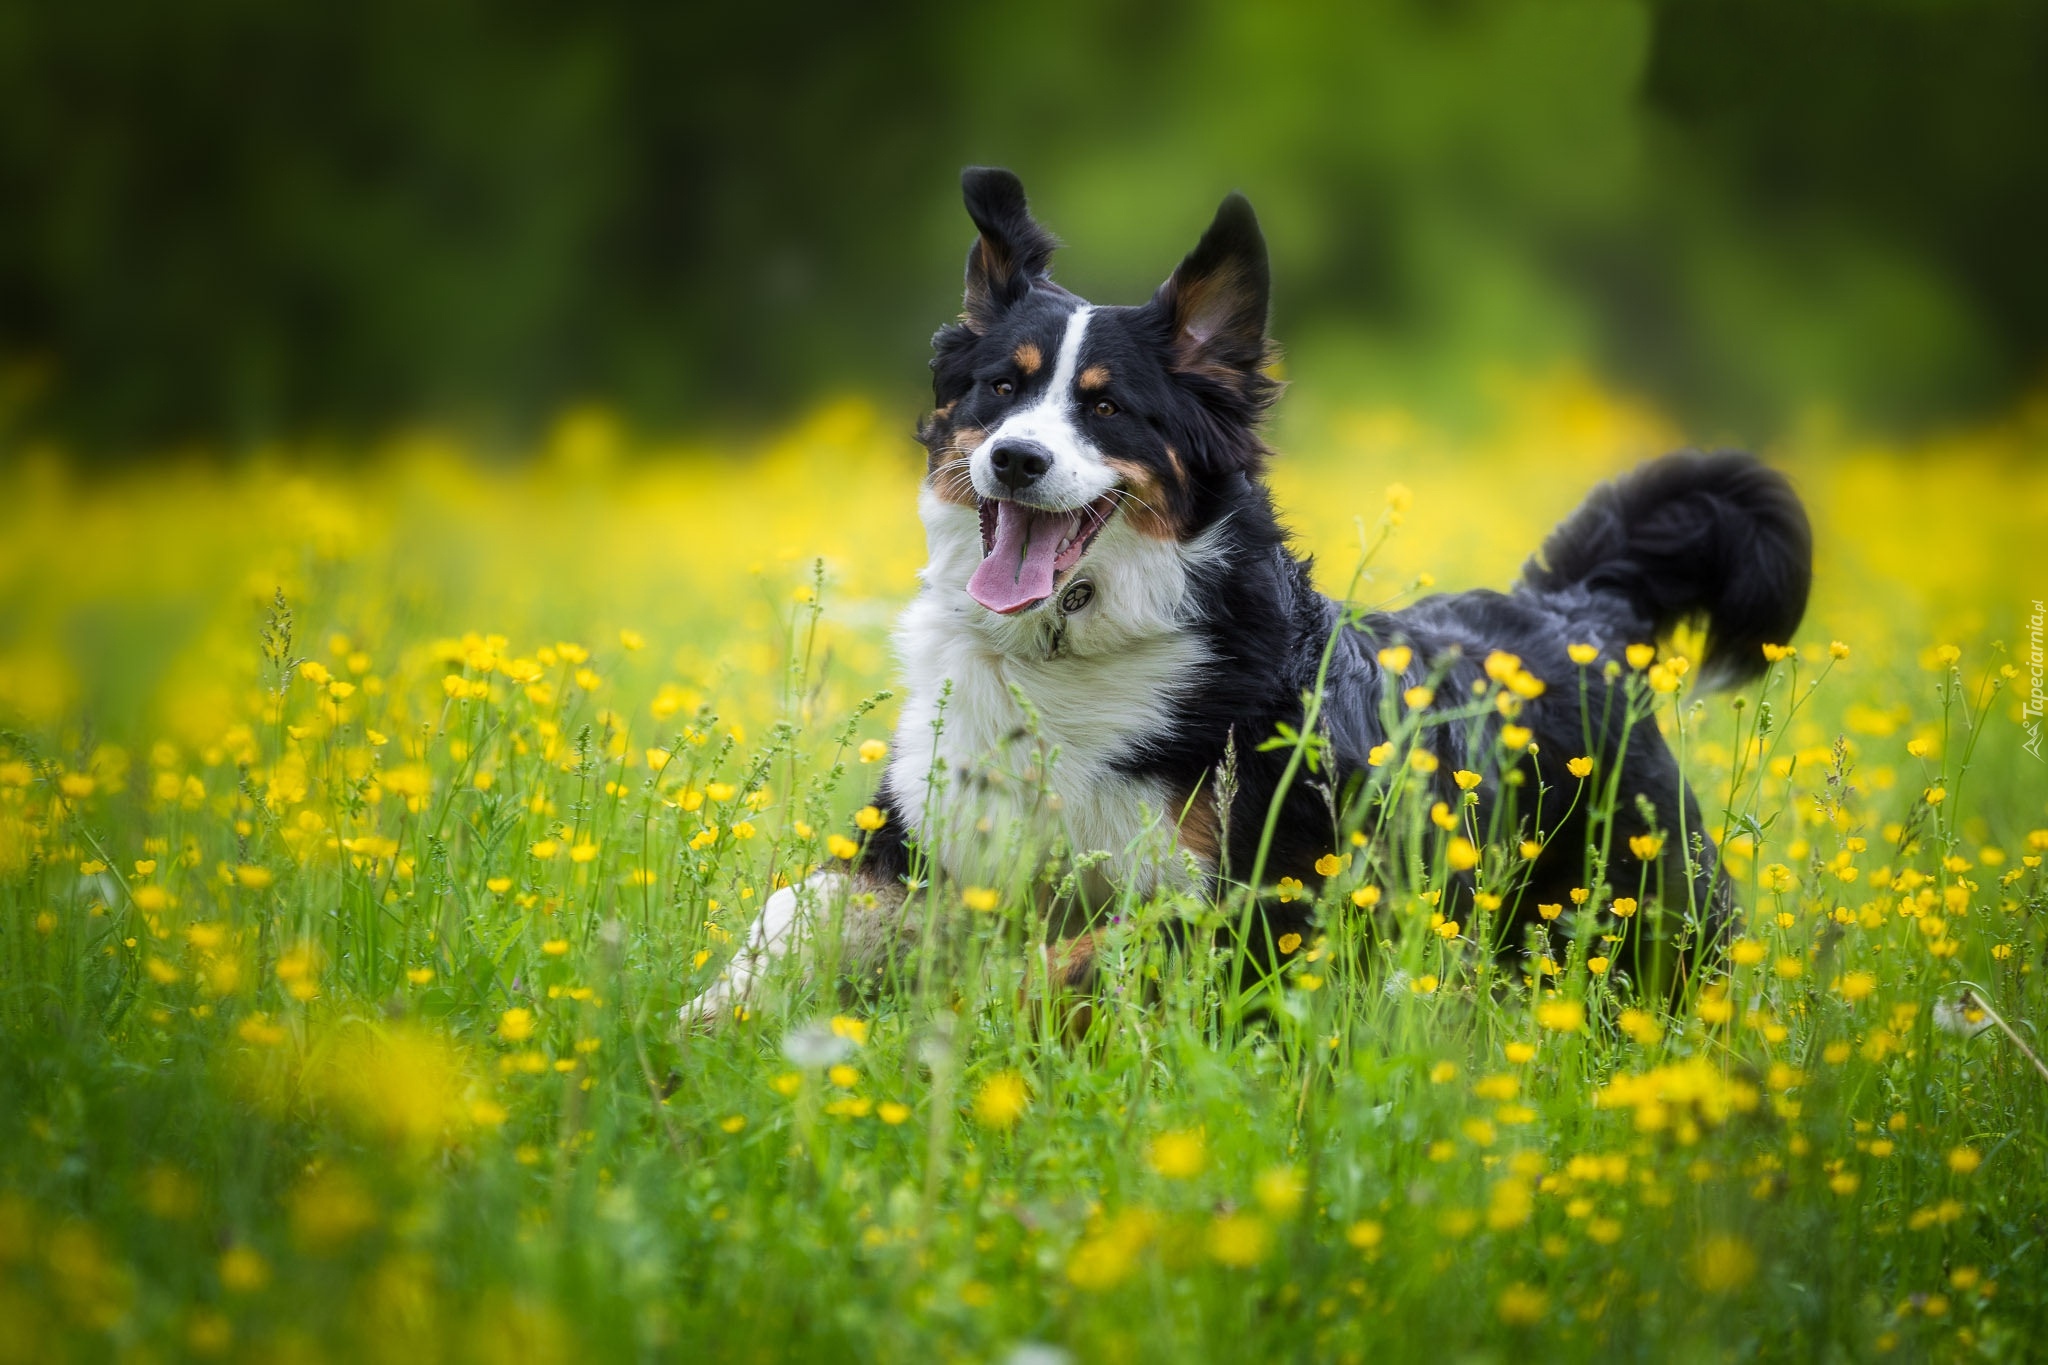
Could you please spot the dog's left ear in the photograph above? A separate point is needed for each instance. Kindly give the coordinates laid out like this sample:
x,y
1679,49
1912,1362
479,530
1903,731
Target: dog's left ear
x,y
1013,250
1216,301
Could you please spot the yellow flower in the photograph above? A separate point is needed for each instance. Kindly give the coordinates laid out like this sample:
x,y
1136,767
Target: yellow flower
x,y
1329,865
1597,965
515,1025
1466,779
1837,650
555,947
1239,1239
1178,1155
583,852
1279,1191
839,846
1519,1053
1309,981
1424,985
1639,656
732,1123
1002,1100
870,818
1646,846
843,1076
1522,1305
980,898
545,849
1747,952
1418,697
1640,1025
253,877
1582,654
1365,1234
1461,854
1579,767
1723,1263
1378,755
1289,942
1624,906
1289,889
1854,986
1422,761
1550,911
498,885
892,1113
1366,897
873,751
419,976
1440,816
1561,1016
1516,737
1396,657
1964,1160
243,1271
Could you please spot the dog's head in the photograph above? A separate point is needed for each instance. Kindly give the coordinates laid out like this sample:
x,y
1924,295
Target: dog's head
x,y
1055,419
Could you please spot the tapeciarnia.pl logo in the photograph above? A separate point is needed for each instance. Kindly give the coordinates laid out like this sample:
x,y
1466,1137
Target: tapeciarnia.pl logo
x,y
2036,701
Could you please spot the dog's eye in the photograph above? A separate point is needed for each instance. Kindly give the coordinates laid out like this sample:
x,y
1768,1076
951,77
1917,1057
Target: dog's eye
x,y
1004,388
1105,408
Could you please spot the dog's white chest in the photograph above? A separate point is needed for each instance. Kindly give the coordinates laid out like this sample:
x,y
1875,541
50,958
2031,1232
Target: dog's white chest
x,y
1006,738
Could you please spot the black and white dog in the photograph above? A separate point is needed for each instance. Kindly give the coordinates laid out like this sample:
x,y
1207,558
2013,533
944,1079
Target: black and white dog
x,y
1112,620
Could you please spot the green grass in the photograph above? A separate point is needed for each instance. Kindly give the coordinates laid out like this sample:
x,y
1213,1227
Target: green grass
x,y
320,1085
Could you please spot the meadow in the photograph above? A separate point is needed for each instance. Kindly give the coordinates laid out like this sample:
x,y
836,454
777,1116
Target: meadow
x,y
367,815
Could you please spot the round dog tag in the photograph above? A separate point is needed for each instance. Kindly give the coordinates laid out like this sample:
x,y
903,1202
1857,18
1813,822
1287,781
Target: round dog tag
x,y
1079,594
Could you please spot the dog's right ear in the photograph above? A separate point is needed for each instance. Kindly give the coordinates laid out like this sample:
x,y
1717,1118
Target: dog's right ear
x,y
1012,252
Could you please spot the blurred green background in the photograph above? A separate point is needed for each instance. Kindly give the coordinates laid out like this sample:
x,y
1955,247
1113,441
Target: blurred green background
x,y
227,221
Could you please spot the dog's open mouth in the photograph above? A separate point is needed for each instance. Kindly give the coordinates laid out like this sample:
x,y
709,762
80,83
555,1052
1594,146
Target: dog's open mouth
x,y
1024,550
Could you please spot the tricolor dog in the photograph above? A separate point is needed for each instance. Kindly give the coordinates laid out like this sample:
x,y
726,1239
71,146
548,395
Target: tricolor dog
x,y
1113,622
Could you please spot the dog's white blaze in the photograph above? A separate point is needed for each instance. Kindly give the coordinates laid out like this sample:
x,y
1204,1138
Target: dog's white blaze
x,y
1111,683
1078,475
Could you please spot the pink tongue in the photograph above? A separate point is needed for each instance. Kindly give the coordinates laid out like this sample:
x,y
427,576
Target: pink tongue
x,y
1018,572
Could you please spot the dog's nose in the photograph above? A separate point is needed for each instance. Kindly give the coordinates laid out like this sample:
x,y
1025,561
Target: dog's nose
x,y
1018,464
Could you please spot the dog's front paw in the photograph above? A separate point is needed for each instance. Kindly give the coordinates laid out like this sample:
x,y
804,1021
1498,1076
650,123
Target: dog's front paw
x,y
771,938
726,999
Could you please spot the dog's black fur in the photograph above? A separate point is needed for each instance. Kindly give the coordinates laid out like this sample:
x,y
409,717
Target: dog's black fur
x,y
1717,539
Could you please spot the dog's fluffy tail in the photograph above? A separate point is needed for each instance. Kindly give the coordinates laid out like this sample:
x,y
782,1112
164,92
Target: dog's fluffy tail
x,y
1718,536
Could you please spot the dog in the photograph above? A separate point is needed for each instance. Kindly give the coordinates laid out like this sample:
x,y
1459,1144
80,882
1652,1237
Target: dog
x,y
1112,630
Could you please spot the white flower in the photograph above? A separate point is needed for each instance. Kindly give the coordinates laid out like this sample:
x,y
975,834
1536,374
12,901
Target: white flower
x,y
815,1046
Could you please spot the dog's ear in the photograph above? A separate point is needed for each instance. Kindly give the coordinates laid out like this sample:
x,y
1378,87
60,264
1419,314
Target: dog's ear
x,y
1013,250
1216,301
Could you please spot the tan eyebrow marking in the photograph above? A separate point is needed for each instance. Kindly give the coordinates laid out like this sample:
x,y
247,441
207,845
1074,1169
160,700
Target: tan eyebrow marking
x,y
1028,357
1094,377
